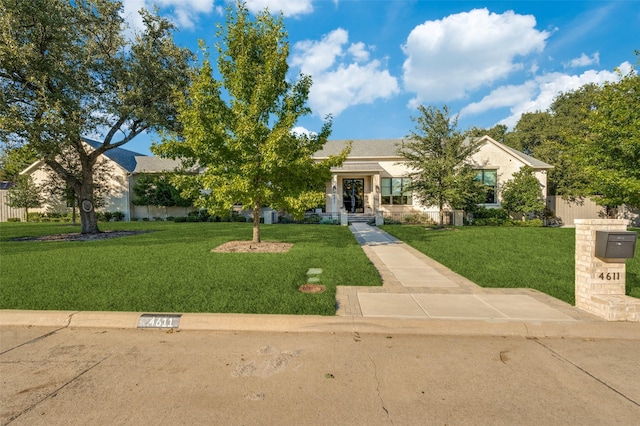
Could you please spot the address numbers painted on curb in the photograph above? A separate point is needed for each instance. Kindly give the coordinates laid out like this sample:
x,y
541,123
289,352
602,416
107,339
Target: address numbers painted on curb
x,y
159,321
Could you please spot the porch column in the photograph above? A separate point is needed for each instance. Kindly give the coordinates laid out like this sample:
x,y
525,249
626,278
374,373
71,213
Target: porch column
x,y
334,196
375,181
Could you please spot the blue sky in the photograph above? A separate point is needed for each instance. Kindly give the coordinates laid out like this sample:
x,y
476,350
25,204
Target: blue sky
x,y
373,61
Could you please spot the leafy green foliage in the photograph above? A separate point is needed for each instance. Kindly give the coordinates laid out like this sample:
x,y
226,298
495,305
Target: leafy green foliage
x,y
437,152
238,130
610,154
25,194
67,70
15,160
523,193
157,190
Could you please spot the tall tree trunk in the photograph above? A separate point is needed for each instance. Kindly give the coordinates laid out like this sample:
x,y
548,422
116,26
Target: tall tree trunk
x,y
256,222
88,219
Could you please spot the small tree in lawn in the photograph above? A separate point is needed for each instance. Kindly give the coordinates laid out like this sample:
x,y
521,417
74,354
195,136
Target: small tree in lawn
x,y
438,153
243,138
25,194
523,194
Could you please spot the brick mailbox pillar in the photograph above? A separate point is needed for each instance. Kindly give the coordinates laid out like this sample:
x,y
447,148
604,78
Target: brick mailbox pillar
x,y
600,285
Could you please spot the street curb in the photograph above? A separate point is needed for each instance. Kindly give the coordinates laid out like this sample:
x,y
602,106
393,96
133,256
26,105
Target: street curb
x,y
333,324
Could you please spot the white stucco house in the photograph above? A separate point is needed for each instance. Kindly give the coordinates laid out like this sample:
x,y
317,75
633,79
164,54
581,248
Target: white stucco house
x,y
371,181
373,178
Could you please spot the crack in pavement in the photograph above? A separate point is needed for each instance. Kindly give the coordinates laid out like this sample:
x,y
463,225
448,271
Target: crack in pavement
x,y
597,379
375,375
44,336
55,392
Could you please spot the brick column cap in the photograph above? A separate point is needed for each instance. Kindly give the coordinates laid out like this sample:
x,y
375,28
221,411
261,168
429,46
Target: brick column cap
x,y
625,222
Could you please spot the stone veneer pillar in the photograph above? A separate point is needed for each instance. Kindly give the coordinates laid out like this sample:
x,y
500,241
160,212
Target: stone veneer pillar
x,y
600,285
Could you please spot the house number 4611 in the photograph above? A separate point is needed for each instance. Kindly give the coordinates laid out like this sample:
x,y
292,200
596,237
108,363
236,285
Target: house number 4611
x,y
609,276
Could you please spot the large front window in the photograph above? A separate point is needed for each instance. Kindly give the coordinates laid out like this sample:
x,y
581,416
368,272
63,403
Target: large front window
x,y
395,191
489,179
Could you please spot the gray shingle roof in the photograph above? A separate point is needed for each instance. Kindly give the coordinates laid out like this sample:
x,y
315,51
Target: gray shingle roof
x,y
387,148
362,148
123,157
146,164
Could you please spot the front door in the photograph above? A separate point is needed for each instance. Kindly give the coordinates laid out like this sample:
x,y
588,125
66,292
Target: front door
x,y
353,195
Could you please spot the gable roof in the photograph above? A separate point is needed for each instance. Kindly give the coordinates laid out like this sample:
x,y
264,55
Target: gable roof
x,y
526,159
388,148
123,157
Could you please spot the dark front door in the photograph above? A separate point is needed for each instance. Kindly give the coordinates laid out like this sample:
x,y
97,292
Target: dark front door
x,y
353,195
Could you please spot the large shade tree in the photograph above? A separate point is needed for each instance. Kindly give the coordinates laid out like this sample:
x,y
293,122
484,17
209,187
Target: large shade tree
x,y
67,70
438,155
238,130
610,153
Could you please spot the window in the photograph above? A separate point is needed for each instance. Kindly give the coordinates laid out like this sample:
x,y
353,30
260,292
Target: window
x,y
489,179
395,191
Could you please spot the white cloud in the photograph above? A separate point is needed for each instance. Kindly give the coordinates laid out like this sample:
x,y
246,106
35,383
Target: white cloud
x,y
299,130
448,58
537,94
342,74
184,13
583,61
287,7
359,52
313,57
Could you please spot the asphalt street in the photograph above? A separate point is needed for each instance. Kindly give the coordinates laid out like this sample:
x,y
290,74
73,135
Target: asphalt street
x,y
96,376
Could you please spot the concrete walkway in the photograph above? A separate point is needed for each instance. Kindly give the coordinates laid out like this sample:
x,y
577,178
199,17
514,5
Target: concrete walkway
x,y
415,286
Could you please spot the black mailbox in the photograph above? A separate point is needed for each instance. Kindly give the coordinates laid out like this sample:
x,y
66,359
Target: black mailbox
x,y
615,244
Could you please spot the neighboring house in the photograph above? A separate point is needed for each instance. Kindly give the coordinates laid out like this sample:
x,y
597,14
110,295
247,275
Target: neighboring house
x,y
374,179
124,167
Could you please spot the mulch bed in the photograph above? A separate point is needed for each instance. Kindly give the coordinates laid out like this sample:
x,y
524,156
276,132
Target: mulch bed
x,y
76,236
251,247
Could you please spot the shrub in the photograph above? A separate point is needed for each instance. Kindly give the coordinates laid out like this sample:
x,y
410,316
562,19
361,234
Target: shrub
x,y
117,216
198,216
491,217
180,219
328,221
104,216
314,218
34,217
13,219
158,219
533,223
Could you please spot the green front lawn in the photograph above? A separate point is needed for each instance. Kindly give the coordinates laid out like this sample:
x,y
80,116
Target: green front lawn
x,y
509,257
172,269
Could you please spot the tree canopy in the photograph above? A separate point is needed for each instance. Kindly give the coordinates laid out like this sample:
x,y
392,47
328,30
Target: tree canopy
x,y
610,153
438,154
238,130
67,70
